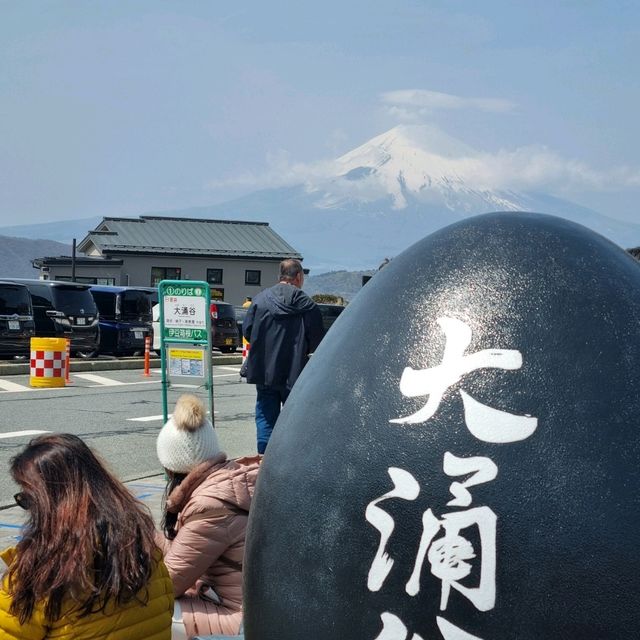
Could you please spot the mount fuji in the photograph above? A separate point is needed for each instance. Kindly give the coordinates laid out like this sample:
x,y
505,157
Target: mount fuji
x,y
376,200
381,197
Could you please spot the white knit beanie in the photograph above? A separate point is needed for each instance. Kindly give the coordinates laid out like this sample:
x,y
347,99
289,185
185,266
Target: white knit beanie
x,y
188,438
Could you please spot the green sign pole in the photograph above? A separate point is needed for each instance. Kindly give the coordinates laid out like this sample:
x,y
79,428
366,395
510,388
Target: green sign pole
x,y
185,321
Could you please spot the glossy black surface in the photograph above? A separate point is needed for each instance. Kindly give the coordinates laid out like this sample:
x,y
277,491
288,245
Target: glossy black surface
x,y
566,498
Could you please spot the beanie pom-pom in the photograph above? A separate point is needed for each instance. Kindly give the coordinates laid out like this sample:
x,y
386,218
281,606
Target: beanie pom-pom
x,y
189,413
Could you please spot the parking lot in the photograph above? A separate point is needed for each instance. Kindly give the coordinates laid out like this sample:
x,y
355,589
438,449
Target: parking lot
x,y
119,413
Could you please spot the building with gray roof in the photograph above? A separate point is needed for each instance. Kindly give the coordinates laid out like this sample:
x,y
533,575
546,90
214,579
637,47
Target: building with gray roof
x,y
237,259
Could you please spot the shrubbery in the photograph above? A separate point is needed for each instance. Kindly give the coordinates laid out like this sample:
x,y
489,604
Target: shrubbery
x,y
327,298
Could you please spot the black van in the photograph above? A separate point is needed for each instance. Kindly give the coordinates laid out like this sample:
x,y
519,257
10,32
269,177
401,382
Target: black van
x,y
224,327
330,313
65,310
16,320
125,318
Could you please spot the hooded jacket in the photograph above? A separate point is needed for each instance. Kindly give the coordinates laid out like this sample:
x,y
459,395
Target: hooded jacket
x,y
205,558
283,326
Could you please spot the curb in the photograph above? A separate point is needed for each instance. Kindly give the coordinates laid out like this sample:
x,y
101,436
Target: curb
x,y
22,368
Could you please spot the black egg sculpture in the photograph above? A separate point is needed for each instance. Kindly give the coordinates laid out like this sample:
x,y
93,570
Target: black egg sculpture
x,y
461,458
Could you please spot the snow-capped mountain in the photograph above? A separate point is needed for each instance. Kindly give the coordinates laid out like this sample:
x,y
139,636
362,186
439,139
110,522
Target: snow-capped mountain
x,y
413,163
379,198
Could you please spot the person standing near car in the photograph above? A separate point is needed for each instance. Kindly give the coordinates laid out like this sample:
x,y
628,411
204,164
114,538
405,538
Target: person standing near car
x,y
284,326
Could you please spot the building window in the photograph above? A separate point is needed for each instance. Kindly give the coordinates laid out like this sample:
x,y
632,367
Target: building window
x,y
252,277
214,276
164,273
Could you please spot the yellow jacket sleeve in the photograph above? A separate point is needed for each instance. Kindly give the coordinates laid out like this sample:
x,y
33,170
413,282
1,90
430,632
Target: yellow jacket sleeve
x,y
10,627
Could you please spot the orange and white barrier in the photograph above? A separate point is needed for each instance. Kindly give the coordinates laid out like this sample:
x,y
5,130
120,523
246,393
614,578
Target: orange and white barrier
x,y
147,355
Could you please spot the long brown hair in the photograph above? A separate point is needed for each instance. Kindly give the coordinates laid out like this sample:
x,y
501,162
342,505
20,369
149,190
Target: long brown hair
x,y
86,538
170,518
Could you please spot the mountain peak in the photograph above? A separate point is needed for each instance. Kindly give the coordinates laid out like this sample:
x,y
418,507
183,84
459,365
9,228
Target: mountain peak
x,y
407,160
421,138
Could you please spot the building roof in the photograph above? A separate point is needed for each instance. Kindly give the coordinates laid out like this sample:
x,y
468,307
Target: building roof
x,y
193,236
80,261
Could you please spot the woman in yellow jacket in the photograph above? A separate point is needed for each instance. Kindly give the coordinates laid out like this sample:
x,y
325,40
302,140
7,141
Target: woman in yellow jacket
x,y
87,567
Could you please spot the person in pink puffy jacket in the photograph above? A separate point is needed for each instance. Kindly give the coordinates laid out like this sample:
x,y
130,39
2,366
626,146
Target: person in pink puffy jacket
x,y
204,522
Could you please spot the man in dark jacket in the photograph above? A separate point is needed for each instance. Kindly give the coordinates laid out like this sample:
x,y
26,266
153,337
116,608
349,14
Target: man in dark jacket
x,y
283,326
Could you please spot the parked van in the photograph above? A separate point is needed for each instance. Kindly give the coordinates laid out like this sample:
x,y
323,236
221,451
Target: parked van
x,y
65,310
16,320
224,328
330,313
153,293
125,318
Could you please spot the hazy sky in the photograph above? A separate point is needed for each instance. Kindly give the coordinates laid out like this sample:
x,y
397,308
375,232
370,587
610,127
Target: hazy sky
x,y
117,108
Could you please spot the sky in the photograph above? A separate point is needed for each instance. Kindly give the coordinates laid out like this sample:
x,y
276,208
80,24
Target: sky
x,y
120,108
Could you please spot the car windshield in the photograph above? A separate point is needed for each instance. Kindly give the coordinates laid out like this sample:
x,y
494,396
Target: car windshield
x,y
224,310
14,300
329,314
106,303
74,301
136,305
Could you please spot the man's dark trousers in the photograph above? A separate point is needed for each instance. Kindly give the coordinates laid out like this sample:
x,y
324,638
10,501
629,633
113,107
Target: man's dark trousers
x,y
269,401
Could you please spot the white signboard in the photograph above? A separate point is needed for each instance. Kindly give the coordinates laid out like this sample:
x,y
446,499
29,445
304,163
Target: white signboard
x,y
185,313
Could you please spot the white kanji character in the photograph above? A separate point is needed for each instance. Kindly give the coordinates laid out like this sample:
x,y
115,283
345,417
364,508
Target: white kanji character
x,y
394,629
485,423
451,632
482,470
406,487
449,553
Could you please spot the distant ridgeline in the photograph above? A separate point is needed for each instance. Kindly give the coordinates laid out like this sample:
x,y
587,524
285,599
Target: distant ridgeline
x,y
342,284
16,255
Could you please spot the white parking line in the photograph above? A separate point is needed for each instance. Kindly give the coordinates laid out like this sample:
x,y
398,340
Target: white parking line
x,y
12,386
123,384
104,382
101,381
20,434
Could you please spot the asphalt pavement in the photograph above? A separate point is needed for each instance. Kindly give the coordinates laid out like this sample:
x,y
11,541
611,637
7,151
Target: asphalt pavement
x,y
118,412
108,363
